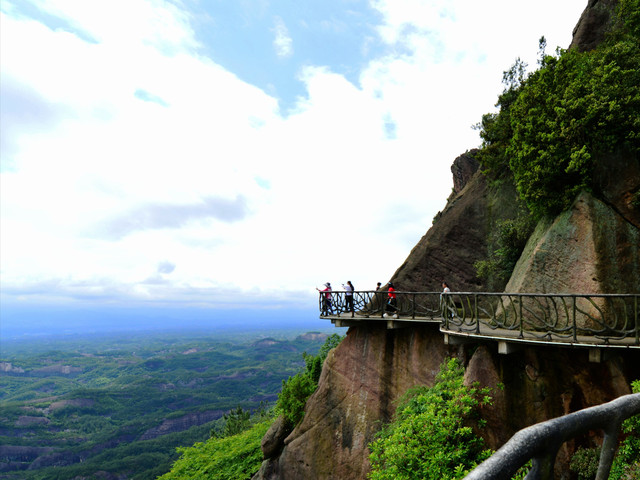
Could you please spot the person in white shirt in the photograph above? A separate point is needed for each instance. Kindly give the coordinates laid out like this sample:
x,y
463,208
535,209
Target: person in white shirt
x,y
349,295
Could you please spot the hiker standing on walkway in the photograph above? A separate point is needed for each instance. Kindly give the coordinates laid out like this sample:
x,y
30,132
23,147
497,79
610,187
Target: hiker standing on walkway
x,y
392,304
349,295
445,300
326,299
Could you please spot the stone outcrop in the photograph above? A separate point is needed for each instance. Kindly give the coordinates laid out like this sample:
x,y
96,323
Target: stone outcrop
x,y
590,248
273,441
593,24
457,239
463,169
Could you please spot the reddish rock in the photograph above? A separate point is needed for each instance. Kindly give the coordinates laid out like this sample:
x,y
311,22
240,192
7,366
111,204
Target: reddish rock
x,y
590,248
361,381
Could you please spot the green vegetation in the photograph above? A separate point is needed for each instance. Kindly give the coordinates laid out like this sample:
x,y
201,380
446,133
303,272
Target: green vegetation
x,y
626,464
553,129
235,457
234,451
511,236
627,461
431,436
584,463
555,124
297,389
123,404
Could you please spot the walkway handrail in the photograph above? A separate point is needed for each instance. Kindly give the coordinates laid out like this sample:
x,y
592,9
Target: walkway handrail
x,y
541,442
560,317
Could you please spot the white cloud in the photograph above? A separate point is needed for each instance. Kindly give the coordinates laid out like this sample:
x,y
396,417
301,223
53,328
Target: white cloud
x,y
149,139
283,43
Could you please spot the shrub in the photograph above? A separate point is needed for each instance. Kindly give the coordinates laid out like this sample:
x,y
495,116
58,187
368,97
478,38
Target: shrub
x,y
627,461
510,239
236,457
430,437
584,463
297,389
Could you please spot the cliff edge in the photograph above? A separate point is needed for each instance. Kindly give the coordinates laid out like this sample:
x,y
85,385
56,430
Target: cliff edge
x,y
593,247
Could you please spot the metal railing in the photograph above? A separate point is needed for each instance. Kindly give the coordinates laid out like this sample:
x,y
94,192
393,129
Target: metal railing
x,y
604,319
372,303
540,443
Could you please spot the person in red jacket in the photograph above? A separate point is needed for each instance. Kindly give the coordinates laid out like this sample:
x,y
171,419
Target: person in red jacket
x,y
392,303
326,299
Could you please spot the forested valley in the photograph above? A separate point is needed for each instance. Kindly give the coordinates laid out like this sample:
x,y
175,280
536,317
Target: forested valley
x,y
118,406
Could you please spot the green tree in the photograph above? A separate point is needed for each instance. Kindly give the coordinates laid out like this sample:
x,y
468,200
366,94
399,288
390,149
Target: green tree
x,y
555,124
430,437
627,461
573,111
236,457
296,390
236,421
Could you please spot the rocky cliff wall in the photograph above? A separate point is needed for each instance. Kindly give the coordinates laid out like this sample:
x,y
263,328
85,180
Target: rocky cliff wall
x,y
457,239
364,377
590,248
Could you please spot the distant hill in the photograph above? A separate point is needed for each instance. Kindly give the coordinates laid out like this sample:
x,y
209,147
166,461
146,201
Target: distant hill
x,y
121,404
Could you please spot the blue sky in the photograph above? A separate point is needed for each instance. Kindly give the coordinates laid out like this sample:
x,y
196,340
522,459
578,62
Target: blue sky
x,y
236,154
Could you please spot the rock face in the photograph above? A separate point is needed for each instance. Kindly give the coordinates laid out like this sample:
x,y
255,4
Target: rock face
x,y
590,248
360,381
593,24
372,368
457,239
618,184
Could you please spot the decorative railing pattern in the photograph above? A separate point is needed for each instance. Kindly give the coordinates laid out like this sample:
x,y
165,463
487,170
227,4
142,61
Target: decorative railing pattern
x,y
607,319
541,442
372,303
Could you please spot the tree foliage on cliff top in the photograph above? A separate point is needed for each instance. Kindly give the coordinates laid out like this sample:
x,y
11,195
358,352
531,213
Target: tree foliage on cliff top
x,y
554,124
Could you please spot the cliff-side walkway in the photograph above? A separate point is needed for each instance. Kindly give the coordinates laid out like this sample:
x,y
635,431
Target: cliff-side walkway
x,y
581,320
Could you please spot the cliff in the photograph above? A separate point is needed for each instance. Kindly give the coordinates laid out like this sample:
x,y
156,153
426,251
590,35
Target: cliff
x,y
593,247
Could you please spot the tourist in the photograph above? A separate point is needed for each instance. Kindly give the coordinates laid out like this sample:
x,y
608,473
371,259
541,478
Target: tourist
x,y
445,302
326,299
392,304
349,295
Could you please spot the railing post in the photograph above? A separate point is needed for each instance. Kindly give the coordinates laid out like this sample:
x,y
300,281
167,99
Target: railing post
x,y
635,308
475,308
575,326
477,317
413,305
608,450
521,317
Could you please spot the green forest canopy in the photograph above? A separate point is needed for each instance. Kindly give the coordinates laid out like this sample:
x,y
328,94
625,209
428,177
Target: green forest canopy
x,y
554,124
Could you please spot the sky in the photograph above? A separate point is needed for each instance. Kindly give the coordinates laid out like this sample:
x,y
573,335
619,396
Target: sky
x,y
212,155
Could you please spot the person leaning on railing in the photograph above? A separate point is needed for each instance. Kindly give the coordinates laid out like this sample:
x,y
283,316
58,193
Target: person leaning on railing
x,y
326,299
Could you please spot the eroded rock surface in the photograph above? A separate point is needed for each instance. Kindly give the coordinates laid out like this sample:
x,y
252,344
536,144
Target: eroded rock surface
x,y
590,248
